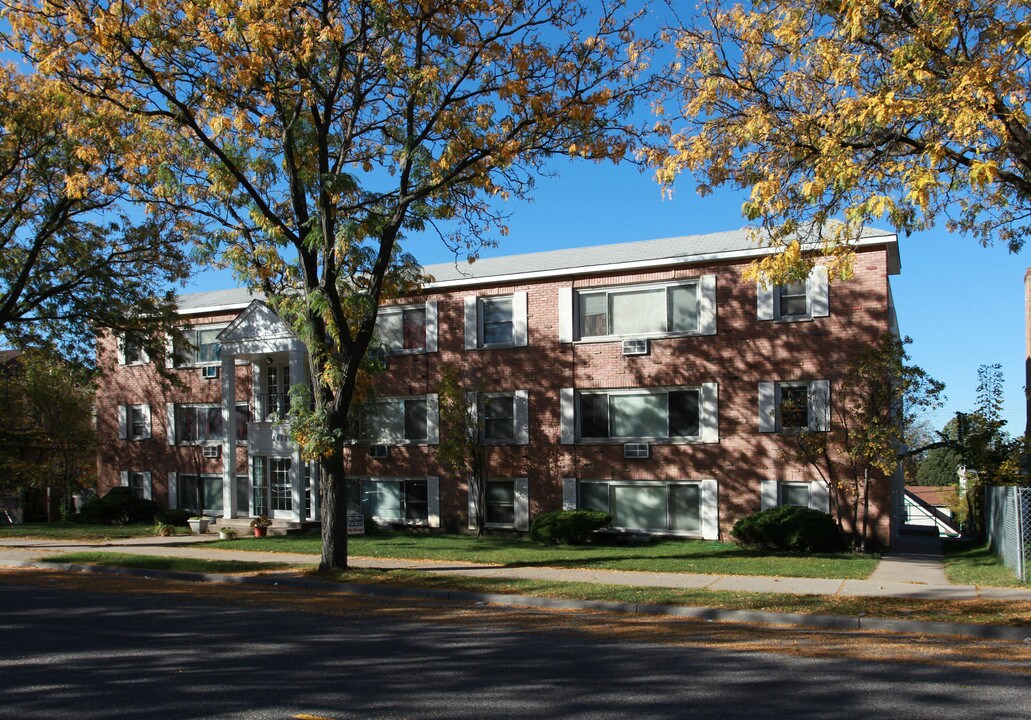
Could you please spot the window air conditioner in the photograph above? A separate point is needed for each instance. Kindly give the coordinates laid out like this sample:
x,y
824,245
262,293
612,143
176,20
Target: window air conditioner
x,y
378,451
635,346
212,451
635,450
209,372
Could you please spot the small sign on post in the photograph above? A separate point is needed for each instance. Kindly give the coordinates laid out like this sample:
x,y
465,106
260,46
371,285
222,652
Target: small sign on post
x,y
355,524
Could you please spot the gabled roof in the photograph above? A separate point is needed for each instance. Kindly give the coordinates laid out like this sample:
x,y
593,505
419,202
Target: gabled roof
x,y
684,249
215,301
935,495
257,322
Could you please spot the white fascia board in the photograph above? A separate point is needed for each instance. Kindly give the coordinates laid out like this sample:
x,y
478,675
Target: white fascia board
x,y
213,309
889,240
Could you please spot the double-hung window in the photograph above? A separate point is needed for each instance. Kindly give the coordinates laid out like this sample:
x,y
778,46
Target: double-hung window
x,y
131,352
652,415
813,494
505,417
198,424
496,321
400,421
138,483
134,422
682,308
798,300
407,329
794,406
204,348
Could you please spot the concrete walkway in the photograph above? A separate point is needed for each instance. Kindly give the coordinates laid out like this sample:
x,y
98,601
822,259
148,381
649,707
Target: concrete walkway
x,y
910,572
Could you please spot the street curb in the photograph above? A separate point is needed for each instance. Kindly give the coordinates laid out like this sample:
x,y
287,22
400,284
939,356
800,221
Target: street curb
x,y
832,622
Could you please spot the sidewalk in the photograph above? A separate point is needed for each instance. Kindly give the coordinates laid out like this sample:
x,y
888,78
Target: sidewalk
x,y
912,572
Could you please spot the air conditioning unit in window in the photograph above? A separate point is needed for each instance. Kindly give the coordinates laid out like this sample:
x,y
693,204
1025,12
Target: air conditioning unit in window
x,y
635,450
212,451
379,451
209,372
635,346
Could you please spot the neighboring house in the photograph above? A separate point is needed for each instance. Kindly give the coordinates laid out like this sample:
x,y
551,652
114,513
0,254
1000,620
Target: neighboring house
x,y
931,506
646,379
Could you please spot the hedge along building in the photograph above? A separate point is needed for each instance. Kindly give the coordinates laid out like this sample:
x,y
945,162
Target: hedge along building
x,y
646,379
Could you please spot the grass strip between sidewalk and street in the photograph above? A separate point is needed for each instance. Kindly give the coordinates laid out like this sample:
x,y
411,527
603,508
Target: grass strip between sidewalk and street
x,y
75,531
706,557
994,612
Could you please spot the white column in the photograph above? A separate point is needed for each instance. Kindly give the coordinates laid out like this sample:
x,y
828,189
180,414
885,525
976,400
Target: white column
x,y
228,434
259,378
298,375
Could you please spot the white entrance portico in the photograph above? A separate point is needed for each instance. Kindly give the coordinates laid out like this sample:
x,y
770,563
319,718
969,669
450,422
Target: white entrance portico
x,y
277,483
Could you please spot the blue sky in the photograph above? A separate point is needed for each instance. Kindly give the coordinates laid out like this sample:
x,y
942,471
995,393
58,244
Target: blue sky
x,y
962,304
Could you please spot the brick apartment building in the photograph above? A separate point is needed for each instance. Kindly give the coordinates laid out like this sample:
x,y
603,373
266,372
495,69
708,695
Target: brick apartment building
x,y
646,379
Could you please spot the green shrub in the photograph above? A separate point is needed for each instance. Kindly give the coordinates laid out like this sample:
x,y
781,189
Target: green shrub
x,y
569,527
175,517
790,528
118,507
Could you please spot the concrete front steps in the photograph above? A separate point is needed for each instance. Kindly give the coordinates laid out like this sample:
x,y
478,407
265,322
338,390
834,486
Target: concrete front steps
x,y
242,526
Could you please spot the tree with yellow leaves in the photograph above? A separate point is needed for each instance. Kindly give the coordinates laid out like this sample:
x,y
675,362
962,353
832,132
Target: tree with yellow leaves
x,y
73,261
867,111
314,135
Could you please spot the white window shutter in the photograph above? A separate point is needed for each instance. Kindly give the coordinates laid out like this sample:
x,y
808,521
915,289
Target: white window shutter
x,y
767,407
567,409
120,349
522,417
431,326
432,420
433,501
820,290
123,478
471,324
765,300
707,305
569,493
522,503
819,496
123,424
519,331
709,414
472,507
565,315
169,351
769,495
146,421
710,510
173,490
820,405
170,423
473,408
148,489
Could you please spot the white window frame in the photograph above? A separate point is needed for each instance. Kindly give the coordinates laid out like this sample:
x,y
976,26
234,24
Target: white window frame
x,y
817,294
520,505
818,400
432,421
474,319
432,499
708,417
705,303
430,326
126,425
772,494
192,332
178,424
126,478
708,502
142,358
520,417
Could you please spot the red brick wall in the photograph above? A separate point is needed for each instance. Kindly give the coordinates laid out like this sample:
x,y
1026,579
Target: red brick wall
x,y
744,352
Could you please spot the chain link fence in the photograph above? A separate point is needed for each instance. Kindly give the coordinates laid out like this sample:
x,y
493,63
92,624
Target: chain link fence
x,y
1008,521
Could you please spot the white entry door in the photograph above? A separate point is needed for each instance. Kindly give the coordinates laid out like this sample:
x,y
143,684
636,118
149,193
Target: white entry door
x,y
281,489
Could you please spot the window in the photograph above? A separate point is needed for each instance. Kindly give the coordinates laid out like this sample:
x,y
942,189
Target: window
x,y
686,508
408,329
280,485
499,507
637,414
134,422
138,483
200,493
506,417
243,416
205,349
198,423
639,311
131,352
400,420
794,494
496,321
798,300
404,500
794,406
798,493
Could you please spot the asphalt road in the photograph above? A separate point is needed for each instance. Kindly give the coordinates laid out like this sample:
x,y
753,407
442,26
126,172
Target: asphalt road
x,y
87,655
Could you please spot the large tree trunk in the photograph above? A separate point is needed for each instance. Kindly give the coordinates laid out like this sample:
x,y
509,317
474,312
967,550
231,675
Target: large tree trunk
x,y
334,512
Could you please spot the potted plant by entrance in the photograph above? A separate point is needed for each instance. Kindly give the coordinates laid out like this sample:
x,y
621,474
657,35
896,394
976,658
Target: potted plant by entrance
x,y
261,525
198,524
226,533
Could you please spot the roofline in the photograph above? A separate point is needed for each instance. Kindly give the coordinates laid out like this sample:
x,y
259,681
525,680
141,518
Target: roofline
x,y
215,308
886,239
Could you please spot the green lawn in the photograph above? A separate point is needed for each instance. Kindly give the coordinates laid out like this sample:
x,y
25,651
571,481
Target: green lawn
x,y
74,531
977,565
155,562
677,556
